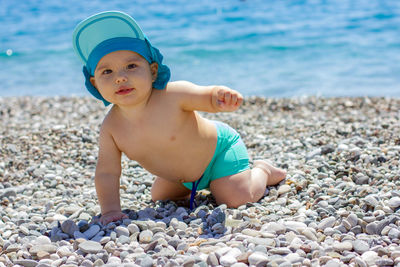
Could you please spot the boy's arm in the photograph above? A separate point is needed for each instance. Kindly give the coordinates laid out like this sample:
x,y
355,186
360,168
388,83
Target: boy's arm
x,y
208,98
108,172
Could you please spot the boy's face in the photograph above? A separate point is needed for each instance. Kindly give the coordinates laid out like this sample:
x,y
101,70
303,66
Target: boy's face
x,y
124,77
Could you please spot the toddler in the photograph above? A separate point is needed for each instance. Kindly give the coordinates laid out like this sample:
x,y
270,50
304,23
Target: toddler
x,y
154,122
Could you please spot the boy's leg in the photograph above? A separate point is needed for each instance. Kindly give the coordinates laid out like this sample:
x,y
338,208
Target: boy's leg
x,y
246,186
163,189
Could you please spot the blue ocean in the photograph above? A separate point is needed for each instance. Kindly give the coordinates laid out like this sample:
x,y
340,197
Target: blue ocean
x,y
273,48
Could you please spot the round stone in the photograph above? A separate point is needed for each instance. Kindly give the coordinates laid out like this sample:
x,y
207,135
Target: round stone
x,y
370,257
257,257
360,246
394,202
145,236
69,227
90,247
121,230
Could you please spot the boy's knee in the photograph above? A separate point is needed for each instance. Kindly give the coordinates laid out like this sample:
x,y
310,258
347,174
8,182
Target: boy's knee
x,y
155,194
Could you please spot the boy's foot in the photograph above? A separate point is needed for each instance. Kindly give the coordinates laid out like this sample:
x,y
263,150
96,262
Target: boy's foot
x,y
275,175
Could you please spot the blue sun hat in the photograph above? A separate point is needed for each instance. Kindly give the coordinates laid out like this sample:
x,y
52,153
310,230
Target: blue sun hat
x,y
112,31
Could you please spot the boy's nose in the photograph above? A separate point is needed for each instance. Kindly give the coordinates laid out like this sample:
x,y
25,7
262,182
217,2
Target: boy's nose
x,y
121,79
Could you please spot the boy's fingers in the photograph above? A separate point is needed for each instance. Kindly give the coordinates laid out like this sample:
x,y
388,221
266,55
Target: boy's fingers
x,y
221,95
234,99
228,98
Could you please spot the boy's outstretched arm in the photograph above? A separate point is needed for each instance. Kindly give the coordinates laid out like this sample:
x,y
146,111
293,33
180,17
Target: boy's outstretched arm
x,y
208,98
108,172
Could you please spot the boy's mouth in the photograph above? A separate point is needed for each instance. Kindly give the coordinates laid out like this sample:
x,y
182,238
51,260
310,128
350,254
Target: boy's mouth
x,y
123,90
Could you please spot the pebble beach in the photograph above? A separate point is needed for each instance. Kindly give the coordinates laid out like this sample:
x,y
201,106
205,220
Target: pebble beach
x,y
339,206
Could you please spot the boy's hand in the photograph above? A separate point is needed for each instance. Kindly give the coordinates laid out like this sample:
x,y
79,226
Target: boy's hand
x,y
112,216
226,99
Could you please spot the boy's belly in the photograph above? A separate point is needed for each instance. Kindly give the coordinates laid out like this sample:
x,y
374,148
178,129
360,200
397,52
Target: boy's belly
x,y
182,158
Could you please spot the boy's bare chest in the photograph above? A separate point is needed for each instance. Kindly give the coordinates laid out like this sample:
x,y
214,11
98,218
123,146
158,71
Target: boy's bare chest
x,y
158,135
166,145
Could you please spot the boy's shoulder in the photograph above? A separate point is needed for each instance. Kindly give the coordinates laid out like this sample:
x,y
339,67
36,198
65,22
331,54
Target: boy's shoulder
x,y
109,120
179,86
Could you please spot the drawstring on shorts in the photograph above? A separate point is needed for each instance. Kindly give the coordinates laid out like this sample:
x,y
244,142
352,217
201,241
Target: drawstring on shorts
x,y
193,194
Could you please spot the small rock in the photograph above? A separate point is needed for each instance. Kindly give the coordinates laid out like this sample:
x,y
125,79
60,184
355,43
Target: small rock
x,y
361,179
90,247
212,259
277,228
120,230
92,231
327,149
360,246
42,240
69,227
371,201
230,258
26,262
384,262
309,234
370,257
333,263
352,219
343,246
285,188
257,257
146,261
262,241
327,222
280,251
78,234
145,236
49,248
133,228
123,239
394,202
394,233
371,228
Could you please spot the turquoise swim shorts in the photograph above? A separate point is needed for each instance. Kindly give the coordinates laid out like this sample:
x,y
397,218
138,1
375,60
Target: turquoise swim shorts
x,y
230,157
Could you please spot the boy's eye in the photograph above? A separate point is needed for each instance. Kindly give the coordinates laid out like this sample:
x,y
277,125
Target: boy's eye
x,y
107,71
132,66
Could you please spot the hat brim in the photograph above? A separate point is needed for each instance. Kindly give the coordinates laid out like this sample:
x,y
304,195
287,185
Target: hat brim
x,y
100,27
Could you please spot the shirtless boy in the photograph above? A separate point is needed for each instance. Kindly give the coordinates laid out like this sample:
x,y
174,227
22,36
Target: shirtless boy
x,y
155,123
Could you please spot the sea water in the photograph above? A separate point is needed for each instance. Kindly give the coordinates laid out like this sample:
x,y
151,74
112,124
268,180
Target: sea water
x,y
273,48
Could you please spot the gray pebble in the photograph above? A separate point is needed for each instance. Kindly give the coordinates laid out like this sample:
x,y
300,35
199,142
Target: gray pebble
x,y
92,231
371,228
90,247
360,246
145,236
394,202
78,234
123,239
394,233
371,200
69,227
327,222
257,257
121,230
133,228
26,263
212,259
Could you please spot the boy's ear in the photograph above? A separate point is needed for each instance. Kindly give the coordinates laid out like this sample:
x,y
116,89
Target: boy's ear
x,y
154,70
93,81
